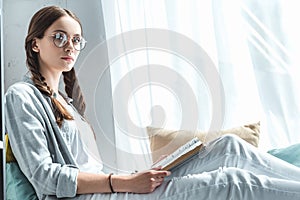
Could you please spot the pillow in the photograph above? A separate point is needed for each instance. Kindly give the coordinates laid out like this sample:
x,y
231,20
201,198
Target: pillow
x,y
17,185
9,154
290,154
165,141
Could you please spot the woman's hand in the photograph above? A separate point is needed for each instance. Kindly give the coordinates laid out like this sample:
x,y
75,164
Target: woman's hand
x,y
143,182
147,181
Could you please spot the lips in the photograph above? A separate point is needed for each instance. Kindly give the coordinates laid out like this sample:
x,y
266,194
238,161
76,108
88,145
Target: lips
x,y
68,58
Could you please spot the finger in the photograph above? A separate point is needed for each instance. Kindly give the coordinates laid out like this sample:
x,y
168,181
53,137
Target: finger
x,y
163,173
158,182
159,172
157,179
160,179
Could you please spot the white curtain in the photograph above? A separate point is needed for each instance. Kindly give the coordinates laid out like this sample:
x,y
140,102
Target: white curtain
x,y
205,65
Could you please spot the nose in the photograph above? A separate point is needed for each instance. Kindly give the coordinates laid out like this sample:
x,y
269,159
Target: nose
x,y
69,45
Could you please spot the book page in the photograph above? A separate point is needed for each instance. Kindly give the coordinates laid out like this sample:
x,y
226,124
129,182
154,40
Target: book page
x,y
180,155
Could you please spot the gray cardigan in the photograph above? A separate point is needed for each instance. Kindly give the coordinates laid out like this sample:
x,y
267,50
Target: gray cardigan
x,y
37,142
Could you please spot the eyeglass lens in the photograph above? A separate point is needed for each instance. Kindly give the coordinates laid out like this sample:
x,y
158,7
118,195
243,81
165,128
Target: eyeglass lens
x,y
61,39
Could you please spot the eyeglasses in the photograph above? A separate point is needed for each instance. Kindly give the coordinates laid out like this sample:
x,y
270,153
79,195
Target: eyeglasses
x,y
61,39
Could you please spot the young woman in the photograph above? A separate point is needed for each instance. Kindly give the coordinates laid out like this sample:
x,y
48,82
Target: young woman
x,y
42,126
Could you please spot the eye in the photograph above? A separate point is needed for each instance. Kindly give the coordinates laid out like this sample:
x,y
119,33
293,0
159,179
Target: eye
x,y
77,40
60,36
60,39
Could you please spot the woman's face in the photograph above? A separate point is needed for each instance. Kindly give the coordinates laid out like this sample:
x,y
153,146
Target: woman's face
x,y
53,59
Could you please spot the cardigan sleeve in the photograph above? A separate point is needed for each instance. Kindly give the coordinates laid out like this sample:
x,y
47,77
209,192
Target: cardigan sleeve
x,y
27,129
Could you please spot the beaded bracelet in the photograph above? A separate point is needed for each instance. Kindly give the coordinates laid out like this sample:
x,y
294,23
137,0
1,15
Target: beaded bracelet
x,y
110,183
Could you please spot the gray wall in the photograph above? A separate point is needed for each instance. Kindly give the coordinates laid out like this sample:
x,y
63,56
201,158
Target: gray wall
x,y
2,180
17,13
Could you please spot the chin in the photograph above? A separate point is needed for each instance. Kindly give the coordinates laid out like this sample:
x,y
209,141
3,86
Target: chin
x,y
68,69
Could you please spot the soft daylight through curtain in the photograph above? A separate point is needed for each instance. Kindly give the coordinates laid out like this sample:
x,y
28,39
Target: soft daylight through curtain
x,y
202,65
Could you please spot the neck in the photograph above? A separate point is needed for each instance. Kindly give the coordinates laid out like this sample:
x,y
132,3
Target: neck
x,y
53,81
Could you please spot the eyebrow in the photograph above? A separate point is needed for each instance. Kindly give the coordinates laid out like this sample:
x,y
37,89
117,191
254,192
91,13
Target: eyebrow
x,y
59,30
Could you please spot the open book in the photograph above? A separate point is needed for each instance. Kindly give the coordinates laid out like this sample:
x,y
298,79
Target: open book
x,y
180,155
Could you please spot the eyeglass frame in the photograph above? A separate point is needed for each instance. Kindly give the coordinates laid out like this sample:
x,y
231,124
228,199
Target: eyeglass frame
x,y
68,39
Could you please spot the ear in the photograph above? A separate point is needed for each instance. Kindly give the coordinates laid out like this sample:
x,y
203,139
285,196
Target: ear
x,y
35,46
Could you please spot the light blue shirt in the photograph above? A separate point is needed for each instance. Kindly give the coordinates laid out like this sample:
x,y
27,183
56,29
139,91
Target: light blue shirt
x,y
49,156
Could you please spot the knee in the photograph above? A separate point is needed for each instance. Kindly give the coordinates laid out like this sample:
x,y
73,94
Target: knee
x,y
232,143
230,137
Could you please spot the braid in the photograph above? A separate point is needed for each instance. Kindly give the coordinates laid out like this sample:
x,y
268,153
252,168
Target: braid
x,y
73,90
39,23
59,111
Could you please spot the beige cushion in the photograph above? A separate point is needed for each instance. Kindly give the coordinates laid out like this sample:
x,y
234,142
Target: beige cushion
x,y
164,141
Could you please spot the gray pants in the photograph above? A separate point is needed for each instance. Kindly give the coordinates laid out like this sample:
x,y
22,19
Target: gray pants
x,y
226,168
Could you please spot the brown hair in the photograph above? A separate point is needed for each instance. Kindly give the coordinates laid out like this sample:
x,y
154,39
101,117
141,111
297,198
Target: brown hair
x,y
39,23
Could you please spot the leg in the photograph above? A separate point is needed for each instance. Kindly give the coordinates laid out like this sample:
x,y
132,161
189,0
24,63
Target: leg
x,y
221,184
231,151
230,183
227,168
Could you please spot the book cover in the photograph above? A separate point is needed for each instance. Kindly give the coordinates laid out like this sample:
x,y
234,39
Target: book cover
x,y
180,155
